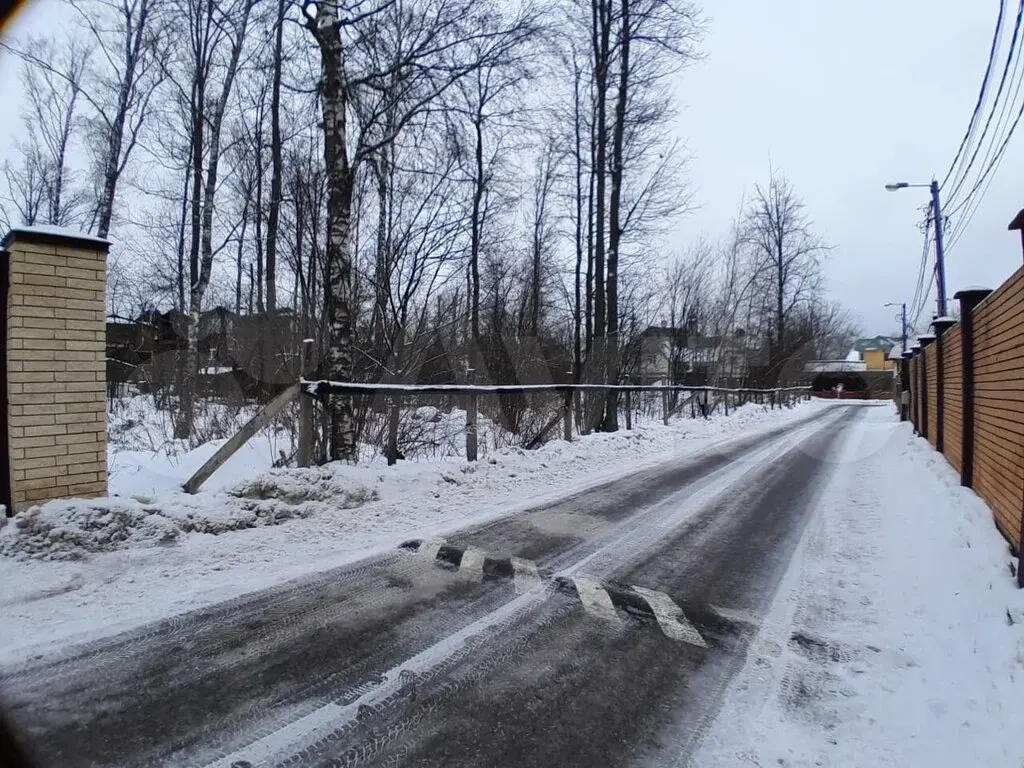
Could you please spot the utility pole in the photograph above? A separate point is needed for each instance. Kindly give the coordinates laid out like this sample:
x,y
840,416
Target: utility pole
x,y
940,256
904,364
940,253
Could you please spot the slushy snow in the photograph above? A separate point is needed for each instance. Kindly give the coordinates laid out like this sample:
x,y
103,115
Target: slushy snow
x,y
898,636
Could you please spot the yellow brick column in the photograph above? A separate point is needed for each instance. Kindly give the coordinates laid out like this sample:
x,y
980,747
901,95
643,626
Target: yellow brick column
x,y
56,365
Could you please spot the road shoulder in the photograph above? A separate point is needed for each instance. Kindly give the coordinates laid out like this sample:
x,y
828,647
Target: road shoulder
x,y
897,637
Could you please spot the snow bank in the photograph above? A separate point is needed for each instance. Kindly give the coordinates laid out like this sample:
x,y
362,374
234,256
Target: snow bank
x,y
73,529
898,636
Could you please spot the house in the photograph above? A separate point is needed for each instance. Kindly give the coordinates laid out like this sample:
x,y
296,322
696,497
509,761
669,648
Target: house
x,y
681,355
874,352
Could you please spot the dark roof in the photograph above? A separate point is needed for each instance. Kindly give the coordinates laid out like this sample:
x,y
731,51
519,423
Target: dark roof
x,y
885,343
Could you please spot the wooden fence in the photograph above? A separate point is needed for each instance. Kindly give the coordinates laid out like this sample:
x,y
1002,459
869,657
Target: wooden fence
x,y
967,399
702,401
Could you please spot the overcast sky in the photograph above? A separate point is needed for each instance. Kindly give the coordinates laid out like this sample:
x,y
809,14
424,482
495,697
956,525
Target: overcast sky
x,y
841,97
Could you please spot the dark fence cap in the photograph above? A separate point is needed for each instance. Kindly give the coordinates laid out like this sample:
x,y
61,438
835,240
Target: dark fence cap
x,y
44,234
971,291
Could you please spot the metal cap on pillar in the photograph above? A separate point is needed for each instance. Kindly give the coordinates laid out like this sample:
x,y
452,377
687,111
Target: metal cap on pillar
x,y
1017,224
925,339
971,296
942,324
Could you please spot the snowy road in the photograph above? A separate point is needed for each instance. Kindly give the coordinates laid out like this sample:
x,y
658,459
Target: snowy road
x,y
599,630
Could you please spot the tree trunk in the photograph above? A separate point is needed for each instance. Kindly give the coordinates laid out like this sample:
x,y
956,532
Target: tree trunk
x,y
578,157
276,162
334,101
475,237
611,420
186,395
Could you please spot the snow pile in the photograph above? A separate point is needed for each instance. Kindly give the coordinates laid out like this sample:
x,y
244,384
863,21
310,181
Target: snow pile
x,y
68,530
897,637
71,530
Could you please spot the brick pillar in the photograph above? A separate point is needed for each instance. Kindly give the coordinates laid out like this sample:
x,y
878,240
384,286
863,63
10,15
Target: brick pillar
x,y
925,339
56,365
969,299
941,325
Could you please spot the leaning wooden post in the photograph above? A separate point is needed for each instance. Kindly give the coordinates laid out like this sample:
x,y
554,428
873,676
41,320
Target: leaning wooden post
x,y
307,414
969,299
567,405
262,418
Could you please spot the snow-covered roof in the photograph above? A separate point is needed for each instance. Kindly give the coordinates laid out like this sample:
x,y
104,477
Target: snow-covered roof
x,y
835,366
944,319
853,356
896,352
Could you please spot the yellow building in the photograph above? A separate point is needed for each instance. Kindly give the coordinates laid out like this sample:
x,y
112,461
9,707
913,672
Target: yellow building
x,y
877,359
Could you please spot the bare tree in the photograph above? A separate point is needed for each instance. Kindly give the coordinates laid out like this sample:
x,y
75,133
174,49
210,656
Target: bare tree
x,y
42,189
216,38
788,255
361,47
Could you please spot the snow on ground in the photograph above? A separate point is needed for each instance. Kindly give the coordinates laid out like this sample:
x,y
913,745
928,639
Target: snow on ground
x,y
898,636
162,551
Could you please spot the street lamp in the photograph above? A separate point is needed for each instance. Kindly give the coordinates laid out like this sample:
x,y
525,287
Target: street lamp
x,y
903,321
940,265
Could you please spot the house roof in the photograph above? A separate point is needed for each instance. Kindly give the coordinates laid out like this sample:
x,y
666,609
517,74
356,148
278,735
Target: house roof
x,y
885,343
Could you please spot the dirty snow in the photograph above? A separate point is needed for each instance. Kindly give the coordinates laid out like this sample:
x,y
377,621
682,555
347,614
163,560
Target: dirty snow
x,y
898,636
170,552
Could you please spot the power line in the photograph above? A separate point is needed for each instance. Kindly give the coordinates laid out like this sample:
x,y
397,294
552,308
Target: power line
x,y
981,92
999,92
990,174
923,267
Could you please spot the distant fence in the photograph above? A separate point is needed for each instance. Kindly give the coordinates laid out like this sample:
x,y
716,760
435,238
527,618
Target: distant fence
x,y
967,399
565,409
698,400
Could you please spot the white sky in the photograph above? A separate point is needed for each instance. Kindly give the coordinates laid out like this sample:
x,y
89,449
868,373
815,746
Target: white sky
x,y
840,96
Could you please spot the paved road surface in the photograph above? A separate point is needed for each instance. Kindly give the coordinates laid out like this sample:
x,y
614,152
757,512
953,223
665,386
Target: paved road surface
x,y
600,630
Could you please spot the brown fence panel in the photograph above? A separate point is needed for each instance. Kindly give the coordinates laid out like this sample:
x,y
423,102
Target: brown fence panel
x,y
999,404
914,394
952,411
932,374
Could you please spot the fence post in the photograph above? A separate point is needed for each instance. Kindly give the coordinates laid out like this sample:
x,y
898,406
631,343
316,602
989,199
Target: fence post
x,y
664,408
905,356
725,401
969,299
471,444
629,409
941,325
567,403
307,417
394,414
926,339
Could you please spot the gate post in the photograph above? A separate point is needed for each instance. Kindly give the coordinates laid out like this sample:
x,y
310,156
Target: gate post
x,y
905,384
969,299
